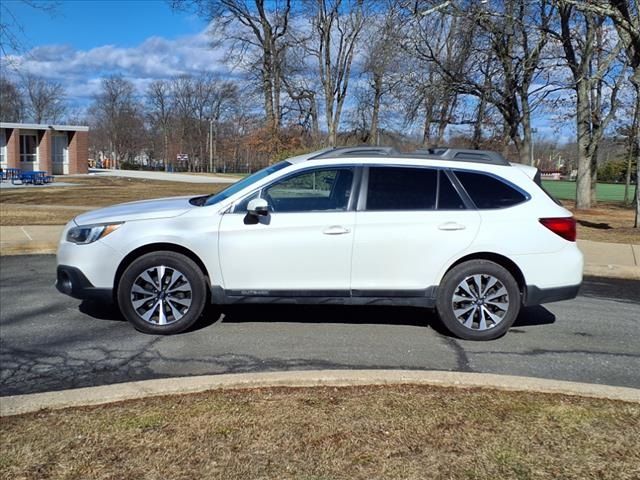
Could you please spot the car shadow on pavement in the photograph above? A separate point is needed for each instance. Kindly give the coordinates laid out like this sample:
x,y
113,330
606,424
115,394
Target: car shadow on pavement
x,y
329,314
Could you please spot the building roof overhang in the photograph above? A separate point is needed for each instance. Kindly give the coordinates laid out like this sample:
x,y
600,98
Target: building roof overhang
x,y
35,126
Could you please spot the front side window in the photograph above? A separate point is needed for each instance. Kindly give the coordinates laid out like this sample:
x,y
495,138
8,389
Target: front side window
x,y
28,148
311,191
398,188
242,184
488,192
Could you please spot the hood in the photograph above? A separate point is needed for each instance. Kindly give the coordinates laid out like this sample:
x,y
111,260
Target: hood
x,y
142,210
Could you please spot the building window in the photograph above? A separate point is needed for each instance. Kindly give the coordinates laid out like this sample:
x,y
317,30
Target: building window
x,y
28,148
59,148
3,148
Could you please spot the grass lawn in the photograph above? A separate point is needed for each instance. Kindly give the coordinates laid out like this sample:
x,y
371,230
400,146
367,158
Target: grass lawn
x,y
605,192
392,432
46,206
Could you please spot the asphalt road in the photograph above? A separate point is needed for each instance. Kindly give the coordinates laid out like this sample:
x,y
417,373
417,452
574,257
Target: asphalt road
x,y
51,342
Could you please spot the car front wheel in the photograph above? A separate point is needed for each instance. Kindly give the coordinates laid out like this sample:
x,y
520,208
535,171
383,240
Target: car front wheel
x,y
478,300
162,293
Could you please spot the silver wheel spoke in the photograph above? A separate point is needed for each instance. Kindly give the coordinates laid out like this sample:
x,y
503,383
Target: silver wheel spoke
x,y
149,313
460,299
175,276
182,288
492,281
147,278
501,305
501,292
469,321
459,313
182,301
477,280
138,303
176,313
464,286
162,319
483,320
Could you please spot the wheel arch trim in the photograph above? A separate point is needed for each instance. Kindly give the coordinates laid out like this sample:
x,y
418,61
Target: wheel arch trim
x,y
159,247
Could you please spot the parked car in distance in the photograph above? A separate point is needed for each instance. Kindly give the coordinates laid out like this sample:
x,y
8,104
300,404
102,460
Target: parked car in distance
x,y
461,231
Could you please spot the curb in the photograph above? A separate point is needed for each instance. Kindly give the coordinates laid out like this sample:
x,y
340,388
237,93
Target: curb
x,y
106,394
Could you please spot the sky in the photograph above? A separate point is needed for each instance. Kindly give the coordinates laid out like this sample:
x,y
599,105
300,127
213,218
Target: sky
x,y
84,40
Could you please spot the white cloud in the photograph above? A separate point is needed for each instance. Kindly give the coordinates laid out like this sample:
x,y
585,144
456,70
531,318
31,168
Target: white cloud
x,y
155,58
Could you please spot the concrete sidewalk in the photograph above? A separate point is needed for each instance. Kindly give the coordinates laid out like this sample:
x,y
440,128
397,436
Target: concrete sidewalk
x,y
601,259
167,176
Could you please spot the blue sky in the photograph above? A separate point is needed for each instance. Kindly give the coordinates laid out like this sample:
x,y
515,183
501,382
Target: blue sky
x,y
84,24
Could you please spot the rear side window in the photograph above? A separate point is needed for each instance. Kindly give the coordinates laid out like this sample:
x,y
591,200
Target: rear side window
x,y
489,192
393,188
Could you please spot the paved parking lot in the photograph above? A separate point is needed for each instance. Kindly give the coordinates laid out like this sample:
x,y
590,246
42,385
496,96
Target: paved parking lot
x,y
50,342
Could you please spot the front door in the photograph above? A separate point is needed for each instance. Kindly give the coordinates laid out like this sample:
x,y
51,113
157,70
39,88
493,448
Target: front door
x,y
303,247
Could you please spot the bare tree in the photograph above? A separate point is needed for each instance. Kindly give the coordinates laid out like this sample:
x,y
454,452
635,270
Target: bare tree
x,y
625,15
45,99
11,101
381,59
336,27
498,56
257,24
581,37
159,108
116,112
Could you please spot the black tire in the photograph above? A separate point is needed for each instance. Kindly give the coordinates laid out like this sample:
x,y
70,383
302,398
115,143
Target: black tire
x,y
181,300
495,313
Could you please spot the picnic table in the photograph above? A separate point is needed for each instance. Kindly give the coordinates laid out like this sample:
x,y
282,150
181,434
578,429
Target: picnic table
x,y
34,177
10,173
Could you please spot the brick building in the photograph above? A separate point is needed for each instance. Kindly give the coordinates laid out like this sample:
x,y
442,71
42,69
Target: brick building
x,y
57,149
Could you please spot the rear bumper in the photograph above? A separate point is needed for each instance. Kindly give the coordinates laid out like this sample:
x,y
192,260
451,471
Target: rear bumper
x,y
71,281
537,296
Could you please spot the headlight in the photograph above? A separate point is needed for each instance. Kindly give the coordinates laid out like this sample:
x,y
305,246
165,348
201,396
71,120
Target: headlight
x,y
91,233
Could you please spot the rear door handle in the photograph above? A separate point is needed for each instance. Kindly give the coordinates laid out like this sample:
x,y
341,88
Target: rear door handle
x,y
449,226
335,230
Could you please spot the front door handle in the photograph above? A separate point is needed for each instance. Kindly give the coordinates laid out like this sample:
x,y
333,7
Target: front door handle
x,y
335,230
449,226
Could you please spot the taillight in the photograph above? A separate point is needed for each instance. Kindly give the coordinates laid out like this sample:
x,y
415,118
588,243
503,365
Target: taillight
x,y
563,226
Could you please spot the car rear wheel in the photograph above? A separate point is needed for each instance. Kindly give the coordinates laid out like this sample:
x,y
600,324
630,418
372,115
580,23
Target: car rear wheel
x,y
478,300
162,293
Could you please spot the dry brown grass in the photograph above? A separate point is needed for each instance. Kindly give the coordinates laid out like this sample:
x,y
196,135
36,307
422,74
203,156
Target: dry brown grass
x,y
408,432
608,222
44,206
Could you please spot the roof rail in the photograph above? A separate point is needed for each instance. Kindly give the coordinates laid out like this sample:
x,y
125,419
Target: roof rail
x,y
463,155
435,153
359,151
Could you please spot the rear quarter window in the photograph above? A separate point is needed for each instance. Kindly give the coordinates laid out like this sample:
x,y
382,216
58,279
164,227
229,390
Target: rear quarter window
x,y
489,192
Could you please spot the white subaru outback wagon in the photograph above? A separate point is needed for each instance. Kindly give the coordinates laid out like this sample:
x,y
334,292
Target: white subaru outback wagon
x,y
461,231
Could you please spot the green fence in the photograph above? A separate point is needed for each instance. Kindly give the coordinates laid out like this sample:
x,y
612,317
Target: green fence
x,y
606,192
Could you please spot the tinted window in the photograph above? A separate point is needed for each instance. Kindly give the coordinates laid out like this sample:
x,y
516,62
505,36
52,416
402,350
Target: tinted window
x,y
448,197
318,190
489,192
392,188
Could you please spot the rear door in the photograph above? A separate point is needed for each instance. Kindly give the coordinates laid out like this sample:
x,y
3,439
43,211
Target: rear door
x,y
410,222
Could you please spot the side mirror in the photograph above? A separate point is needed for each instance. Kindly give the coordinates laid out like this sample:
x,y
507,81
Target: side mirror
x,y
258,206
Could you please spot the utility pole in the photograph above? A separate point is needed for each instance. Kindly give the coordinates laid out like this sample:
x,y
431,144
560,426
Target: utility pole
x,y
211,166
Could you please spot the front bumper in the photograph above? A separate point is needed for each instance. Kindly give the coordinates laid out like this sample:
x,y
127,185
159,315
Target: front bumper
x,y
71,281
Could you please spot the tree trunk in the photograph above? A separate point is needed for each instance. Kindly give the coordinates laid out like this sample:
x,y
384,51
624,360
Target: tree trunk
x,y
636,141
583,124
377,95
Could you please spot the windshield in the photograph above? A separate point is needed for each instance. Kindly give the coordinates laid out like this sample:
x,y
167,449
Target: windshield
x,y
245,182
